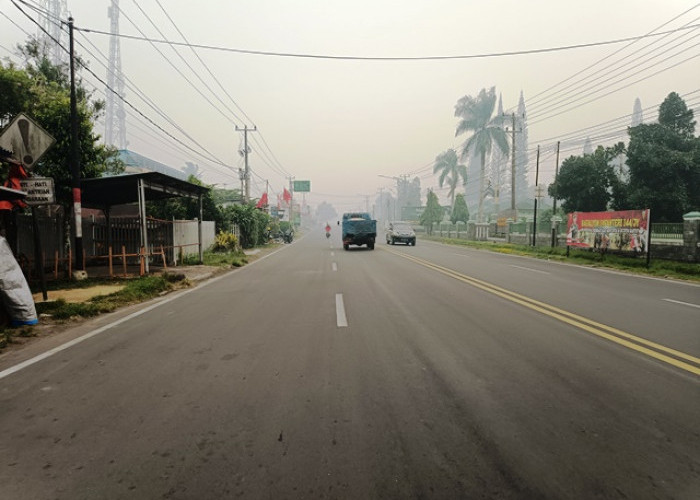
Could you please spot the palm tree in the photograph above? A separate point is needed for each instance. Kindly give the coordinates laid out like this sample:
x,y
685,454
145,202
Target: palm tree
x,y
450,172
475,116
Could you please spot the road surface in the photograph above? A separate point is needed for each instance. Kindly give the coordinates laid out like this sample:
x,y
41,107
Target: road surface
x,y
404,372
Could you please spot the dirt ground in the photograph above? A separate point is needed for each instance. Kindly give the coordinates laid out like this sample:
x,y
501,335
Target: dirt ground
x,y
78,294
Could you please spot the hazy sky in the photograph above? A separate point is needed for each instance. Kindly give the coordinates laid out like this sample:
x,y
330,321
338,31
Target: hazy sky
x,y
341,123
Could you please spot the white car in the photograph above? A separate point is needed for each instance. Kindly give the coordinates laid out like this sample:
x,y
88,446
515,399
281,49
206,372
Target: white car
x,y
400,232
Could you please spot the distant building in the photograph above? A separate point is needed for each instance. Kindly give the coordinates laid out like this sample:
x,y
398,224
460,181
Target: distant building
x,y
136,164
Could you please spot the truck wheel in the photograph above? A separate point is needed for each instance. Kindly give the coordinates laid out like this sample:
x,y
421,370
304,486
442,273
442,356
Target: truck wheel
x,y
413,243
345,247
370,246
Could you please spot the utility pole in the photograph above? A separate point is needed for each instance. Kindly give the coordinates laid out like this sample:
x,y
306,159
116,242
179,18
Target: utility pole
x,y
534,218
75,160
291,202
556,173
245,131
554,203
366,197
241,177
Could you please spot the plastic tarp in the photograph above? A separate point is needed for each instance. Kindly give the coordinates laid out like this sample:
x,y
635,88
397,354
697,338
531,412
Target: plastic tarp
x,y
14,290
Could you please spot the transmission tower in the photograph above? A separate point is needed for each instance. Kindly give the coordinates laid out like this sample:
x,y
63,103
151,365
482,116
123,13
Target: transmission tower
x,y
115,119
50,32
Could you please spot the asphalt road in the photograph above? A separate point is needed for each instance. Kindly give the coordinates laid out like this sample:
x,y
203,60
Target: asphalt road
x,y
404,372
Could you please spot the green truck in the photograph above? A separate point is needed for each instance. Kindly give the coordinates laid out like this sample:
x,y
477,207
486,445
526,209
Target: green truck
x,y
359,229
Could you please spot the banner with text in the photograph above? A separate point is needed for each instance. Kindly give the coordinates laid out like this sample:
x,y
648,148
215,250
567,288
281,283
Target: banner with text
x,y
625,231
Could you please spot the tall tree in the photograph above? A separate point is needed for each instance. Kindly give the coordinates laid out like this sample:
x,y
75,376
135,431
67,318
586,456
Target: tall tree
x,y
188,208
460,212
675,115
664,163
42,90
451,171
432,214
476,117
586,183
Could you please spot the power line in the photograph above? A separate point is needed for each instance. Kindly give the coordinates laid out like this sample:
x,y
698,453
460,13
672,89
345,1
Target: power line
x,y
535,100
153,106
410,58
280,169
568,105
199,77
86,68
204,64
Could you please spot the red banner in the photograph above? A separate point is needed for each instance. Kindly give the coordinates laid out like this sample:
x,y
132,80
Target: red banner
x,y
625,231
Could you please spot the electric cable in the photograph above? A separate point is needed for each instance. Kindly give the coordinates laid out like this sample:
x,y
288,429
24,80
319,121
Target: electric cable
x,y
390,58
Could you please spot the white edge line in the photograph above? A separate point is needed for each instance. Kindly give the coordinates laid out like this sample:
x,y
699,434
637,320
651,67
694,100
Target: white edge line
x,y
682,303
24,364
340,310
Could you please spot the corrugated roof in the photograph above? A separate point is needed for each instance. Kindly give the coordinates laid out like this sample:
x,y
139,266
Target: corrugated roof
x,y
104,192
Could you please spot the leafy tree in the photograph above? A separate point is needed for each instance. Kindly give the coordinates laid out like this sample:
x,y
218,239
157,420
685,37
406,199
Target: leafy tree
x,y
460,212
15,95
664,163
433,212
42,91
188,208
221,196
475,116
675,115
252,222
586,183
451,171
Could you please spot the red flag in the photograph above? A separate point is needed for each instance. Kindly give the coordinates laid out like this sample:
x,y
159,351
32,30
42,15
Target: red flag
x,y
286,196
262,202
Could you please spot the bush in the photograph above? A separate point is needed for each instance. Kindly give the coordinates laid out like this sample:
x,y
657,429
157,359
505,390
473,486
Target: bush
x,y
225,242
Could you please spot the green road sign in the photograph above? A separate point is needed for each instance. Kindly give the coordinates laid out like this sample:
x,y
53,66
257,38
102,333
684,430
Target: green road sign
x,y
302,186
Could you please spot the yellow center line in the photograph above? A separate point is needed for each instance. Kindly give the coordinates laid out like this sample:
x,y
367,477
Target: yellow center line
x,y
652,349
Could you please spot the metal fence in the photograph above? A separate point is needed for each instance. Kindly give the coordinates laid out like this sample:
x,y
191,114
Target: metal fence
x,y
518,228
168,241
667,232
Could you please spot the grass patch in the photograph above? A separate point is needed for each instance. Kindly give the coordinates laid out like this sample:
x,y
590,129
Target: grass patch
x,y
136,290
657,267
225,259
218,259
